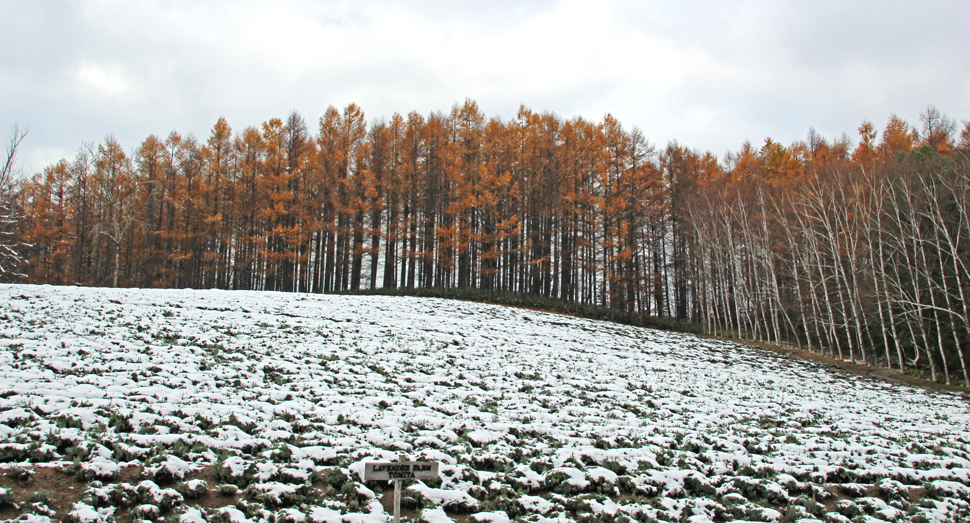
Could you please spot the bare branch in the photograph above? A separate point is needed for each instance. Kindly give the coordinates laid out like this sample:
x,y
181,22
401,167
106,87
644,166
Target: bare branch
x,y
10,169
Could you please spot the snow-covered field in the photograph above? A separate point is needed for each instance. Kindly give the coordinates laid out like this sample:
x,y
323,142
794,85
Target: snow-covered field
x,y
532,416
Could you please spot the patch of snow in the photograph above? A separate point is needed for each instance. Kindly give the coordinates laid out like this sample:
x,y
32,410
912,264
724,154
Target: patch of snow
x,y
324,515
192,515
482,436
446,498
499,516
84,513
536,504
435,515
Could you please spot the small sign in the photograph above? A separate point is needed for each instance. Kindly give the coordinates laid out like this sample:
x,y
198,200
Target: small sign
x,y
397,472
377,471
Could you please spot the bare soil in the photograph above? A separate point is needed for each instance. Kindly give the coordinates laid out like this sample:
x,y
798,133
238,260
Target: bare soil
x,y
63,490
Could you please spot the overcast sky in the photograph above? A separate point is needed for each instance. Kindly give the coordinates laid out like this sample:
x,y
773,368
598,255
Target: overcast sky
x,y
709,74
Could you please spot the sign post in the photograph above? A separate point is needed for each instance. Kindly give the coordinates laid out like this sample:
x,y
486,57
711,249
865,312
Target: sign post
x,y
398,472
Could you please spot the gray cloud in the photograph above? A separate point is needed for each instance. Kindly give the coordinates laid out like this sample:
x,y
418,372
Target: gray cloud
x,y
709,74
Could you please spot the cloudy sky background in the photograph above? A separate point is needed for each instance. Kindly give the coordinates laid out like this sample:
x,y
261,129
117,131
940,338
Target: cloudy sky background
x,y
709,74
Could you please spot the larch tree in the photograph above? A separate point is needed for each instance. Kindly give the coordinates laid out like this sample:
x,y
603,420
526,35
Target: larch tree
x,y
51,230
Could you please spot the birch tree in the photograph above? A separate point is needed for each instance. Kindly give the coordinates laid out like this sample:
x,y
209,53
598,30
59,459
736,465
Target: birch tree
x,y
11,245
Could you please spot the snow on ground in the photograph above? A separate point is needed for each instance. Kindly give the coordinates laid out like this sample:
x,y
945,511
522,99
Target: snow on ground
x,y
532,415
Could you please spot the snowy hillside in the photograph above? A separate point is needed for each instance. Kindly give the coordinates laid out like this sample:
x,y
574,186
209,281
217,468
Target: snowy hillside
x,y
532,415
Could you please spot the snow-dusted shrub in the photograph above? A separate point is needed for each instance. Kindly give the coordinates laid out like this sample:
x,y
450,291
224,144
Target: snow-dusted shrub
x,y
774,493
567,481
180,448
792,485
84,513
892,490
412,499
119,495
296,476
147,511
70,421
476,492
166,469
489,517
6,497
697,485
763,514
748,488
234,470
506,504
204,422
192,489
290,515
456,501
39,496
854,490
849,508
150,493
224,515
39,452
355,497
947,489
62,439
841,475
872,506
98,468
492,463
502,499
123,452
192,515
614,466
335,477
278,495
324,515
101,496
541,465
13,452
810,506
797,513
244,424
22,475
253,511
282,454
739,508
581,504
435,515
120,423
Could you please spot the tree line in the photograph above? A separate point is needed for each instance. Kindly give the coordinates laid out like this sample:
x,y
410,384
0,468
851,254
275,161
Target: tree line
x,y
860,251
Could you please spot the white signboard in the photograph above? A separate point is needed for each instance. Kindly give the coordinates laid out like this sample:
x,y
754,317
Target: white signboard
x,y
390,471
